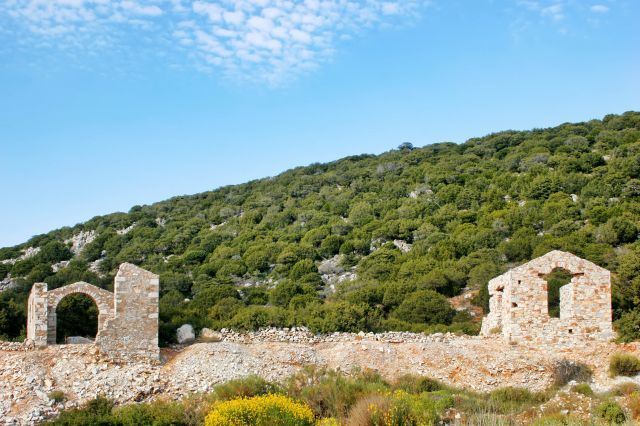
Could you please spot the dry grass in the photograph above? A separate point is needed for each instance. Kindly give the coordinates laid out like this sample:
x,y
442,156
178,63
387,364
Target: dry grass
x,y
368,410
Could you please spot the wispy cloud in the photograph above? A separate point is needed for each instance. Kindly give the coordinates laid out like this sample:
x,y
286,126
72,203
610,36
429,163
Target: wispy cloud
x,y
260,40
563,15
272,40
599,8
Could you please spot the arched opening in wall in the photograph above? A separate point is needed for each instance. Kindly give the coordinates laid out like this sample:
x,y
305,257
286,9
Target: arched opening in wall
x,y
555,279
76,319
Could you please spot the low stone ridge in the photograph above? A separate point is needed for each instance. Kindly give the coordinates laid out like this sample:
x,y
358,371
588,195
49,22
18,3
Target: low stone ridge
x,y
81,372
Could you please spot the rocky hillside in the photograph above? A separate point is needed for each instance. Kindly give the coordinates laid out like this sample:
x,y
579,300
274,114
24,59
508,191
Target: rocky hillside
x,y
476,363
366,242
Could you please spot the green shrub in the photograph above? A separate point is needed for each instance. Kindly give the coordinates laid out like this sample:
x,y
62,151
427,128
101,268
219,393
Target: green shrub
x,y
583,388
159,413
558,420
397,408
94,412
416,384
628,326
245,387
565,371
425,306
611,412
256,317
331,394
57,396
625,389
624,364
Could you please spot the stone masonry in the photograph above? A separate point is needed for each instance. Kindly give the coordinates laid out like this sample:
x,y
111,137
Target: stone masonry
x,y
518,305
127,318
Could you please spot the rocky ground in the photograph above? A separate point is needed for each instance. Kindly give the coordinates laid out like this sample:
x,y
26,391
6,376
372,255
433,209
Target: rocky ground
x,y
28,376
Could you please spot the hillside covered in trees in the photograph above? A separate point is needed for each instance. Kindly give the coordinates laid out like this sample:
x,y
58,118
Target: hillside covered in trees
x,y
370,242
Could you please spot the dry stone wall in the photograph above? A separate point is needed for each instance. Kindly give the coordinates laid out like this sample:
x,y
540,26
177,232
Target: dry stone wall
x,y
518,305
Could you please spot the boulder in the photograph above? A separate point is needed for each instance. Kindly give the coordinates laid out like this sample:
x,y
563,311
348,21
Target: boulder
x,y
185,334
209,335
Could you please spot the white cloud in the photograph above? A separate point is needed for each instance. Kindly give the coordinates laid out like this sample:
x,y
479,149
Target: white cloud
x,y
599,8
260,40
564,14
273,40
554,11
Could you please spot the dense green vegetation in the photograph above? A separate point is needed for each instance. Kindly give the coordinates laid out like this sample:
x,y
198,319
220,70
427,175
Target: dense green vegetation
x,y
470,211
328,398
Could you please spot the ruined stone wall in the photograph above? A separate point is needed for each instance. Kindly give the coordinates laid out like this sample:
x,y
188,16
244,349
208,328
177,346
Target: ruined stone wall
x,y
37,314
519,303
127,318
133,330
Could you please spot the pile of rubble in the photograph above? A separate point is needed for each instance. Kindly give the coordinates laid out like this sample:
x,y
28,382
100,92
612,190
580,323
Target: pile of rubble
x,y
303,335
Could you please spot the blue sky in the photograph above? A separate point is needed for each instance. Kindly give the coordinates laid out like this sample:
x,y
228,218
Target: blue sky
x,y
105,104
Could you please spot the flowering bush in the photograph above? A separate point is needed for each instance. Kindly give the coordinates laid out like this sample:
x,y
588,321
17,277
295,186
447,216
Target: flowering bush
x,y
396,409
266,410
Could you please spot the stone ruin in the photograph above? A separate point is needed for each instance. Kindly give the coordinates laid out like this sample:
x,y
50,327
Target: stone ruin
x,y
127,318
518,304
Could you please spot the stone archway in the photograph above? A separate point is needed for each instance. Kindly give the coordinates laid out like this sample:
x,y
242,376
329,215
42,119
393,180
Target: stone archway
x,y
127,318
102,298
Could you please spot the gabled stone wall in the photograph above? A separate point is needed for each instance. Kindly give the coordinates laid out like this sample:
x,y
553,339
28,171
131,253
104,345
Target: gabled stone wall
x,y
127,318
519,303
133,330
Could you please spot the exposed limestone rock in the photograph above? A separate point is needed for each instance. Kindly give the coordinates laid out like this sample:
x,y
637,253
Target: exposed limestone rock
x,y
255,282
160,221
332,272
80,240
26,254
7,283
185,334
403,246
60,265
419,191
213,226
376,243
95,266
331,266
126,230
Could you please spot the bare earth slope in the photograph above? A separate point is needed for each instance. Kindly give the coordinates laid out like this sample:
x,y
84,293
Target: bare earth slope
x,y
27,376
